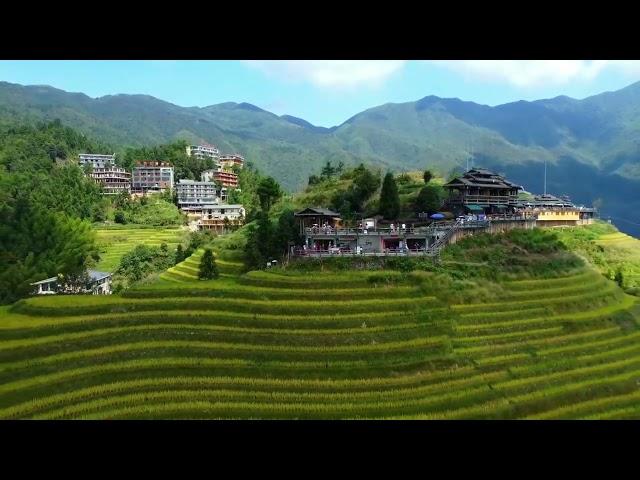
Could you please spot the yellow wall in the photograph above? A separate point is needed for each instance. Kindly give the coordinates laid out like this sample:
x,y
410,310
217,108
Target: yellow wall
x,y
558,215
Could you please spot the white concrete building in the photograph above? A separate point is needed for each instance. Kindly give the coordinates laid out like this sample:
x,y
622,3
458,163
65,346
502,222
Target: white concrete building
x,y
113,180
96,160
203,151
193,193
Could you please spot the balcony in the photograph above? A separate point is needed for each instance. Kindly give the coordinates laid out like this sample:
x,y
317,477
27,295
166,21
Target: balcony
x,y
484,199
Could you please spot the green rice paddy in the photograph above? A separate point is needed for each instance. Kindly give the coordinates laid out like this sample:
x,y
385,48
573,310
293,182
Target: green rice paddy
x,y
115,242
323,345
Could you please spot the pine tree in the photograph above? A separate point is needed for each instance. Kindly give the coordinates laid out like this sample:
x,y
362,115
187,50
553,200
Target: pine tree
x,y
208,267
179,254
429,199
389,198
619,278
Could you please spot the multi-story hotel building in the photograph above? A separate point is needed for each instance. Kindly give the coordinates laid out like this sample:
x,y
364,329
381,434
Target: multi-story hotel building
x,y
202,151
219,217
192,193
96,160
230,161
152,177
226,179
113,180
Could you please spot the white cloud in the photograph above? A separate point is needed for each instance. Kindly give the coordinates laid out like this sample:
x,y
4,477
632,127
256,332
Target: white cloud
x,y
536,73
331,73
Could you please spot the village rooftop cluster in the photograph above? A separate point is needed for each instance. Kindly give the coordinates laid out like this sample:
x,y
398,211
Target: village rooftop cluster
x,y
477,201
203,201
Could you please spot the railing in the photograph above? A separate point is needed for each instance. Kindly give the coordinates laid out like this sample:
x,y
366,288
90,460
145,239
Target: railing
x,y
443,240
335,252
358,231
492,199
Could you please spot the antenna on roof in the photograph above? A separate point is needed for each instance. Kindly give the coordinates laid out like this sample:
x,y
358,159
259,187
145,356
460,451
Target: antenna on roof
x,y
545,176
468,155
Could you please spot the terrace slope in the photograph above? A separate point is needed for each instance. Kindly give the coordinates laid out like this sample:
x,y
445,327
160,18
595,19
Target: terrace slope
x,y
324,345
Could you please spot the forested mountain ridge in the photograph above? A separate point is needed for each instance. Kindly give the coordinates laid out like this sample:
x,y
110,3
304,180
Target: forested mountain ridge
x,y
591,145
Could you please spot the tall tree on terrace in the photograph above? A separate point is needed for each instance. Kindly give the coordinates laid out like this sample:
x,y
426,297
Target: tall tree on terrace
x,y
389,198
268,191
208,268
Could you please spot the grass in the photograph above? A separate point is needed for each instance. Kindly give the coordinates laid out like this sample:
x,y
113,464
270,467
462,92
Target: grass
x,y
113,243
282,344
608,249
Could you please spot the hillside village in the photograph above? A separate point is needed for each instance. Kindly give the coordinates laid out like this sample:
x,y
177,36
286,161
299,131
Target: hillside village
x,y
476,201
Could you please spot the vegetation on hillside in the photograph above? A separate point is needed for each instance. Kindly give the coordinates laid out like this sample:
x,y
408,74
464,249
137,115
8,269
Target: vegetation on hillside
x,y
46,206
157,210
614,254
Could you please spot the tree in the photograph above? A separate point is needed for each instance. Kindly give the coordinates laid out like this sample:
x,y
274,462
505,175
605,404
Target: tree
x,y
75,282
120,217
208,267
389,198
268,191
328,170
427,176
287,232
179,256
144,260
429,199
364,185
619,278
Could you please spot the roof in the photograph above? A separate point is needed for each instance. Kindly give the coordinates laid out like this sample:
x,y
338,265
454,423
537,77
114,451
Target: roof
x,y
480,177
475,208
547,200
46,280
184,181
222,205
310,211
94,276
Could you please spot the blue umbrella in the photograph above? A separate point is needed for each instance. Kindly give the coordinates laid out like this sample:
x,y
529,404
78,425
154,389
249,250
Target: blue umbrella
x,y
437,216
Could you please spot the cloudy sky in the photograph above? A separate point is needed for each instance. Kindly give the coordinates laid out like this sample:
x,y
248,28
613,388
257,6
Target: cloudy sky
x,y
328,92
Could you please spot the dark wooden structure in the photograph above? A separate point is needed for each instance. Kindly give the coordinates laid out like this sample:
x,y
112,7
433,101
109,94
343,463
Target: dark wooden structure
x,y
317,219
481,191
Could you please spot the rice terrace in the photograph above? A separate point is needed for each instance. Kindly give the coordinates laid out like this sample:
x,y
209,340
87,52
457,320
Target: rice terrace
x,y
433,259
328,345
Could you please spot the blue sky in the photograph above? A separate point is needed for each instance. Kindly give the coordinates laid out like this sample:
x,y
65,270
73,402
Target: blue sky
x,y
327,93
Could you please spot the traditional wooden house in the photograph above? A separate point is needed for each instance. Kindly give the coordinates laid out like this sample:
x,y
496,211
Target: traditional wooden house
x,y
316,220
481,191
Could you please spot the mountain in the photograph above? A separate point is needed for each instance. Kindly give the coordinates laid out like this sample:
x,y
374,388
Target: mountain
x,y
591,145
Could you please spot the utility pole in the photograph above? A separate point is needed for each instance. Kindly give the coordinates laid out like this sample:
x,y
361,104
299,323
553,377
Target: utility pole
x,y
545,176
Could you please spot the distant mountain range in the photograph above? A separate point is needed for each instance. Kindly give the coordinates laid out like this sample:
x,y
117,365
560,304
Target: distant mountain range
x,y
592,146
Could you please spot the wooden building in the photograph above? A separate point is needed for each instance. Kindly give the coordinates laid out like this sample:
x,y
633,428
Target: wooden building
x,y
481,191
316,220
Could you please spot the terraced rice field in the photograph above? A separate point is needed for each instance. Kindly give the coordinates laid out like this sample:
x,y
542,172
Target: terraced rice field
x,y
187,271
624,252
268,345
114,243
